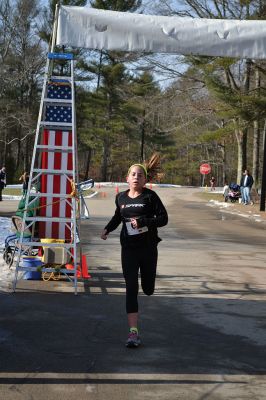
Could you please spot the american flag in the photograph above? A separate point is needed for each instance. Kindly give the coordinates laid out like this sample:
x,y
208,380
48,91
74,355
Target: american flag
x,y
59,90
58,114
56,161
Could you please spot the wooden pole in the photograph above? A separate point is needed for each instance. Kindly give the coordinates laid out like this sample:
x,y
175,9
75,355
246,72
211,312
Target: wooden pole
x,y
263,179
55,27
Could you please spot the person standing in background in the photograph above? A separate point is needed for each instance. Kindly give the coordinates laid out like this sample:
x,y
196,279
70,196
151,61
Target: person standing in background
x,y
226,191
25,179
2,180
246,185
212,183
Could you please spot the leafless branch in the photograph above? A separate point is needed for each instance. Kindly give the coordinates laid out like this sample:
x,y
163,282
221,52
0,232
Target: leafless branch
x,y
19,139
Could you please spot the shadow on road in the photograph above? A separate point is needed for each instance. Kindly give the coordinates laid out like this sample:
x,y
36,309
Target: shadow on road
x,y
66,334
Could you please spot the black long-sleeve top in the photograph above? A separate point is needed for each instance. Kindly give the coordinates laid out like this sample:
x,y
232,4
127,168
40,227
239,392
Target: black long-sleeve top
x,y
150,212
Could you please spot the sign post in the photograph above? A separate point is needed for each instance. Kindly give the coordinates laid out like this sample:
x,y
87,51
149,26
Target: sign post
x,y
205,169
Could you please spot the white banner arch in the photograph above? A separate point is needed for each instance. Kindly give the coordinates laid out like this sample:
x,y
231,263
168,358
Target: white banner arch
x,y
91,28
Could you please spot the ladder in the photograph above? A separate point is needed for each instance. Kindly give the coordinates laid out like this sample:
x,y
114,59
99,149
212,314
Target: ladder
x,y
53,180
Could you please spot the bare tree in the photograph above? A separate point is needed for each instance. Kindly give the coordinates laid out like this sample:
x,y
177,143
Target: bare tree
x,y
21,66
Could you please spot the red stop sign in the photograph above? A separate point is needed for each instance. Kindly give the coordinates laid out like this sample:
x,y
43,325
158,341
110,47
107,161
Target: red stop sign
x,y
205,169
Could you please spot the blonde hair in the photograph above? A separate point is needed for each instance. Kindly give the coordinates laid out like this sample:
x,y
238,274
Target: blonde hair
x,y
151,168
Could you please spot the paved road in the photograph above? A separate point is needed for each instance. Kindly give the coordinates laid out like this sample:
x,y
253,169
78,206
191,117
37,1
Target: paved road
x,y
203,332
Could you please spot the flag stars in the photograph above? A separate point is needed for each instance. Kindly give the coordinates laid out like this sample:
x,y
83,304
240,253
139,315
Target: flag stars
x,y
59,92
58,113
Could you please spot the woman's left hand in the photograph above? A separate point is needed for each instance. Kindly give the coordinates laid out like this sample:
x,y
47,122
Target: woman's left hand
x,y
104,234
134,223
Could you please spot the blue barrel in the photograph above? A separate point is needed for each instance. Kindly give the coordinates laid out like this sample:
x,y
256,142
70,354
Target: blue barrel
x,y
33,262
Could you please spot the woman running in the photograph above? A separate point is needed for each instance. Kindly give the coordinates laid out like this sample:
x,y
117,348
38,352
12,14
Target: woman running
x,y
141,211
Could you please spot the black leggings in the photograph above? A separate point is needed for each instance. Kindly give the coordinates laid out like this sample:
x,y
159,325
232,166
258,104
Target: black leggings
x,y
133,260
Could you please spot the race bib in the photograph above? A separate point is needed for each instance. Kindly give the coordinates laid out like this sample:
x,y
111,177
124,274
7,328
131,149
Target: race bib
x,y
135,231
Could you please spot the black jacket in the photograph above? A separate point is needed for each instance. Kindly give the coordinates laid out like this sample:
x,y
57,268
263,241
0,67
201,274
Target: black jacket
x,y
249,182
2,179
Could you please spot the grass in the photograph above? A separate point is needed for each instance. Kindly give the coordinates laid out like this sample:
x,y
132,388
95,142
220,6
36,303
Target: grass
x,y
18,192
12,192
88,192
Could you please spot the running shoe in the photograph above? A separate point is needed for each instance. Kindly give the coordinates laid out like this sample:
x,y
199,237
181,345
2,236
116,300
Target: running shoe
x,y
133,339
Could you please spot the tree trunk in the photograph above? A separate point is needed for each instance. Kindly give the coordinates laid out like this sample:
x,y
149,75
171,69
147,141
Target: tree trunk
x,y
244,134
256,146
222,147
142,140
240,165
106,154
263,180
18,154
5,148
245,131
26,156
88,161
256,135
99,71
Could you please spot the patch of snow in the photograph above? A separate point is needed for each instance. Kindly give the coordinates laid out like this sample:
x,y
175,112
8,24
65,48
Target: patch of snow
x,y
6,274
244,215
90,195
5,230
9,197
225,208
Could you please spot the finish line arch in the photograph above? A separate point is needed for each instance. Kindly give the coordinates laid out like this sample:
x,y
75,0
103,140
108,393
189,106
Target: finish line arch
x,y
90,28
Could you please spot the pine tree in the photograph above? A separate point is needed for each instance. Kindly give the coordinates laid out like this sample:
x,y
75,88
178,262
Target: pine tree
x,y
117,5
144,102
108,98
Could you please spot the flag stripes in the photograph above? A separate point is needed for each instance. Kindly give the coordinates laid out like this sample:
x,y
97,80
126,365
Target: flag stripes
x,y
50,183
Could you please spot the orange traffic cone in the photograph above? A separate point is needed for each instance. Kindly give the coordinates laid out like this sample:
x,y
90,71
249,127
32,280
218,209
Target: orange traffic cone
x,y
84,267
71,267
117,189
79,273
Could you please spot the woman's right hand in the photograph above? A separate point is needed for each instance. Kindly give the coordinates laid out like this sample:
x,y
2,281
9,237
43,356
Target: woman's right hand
x,y
104,234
